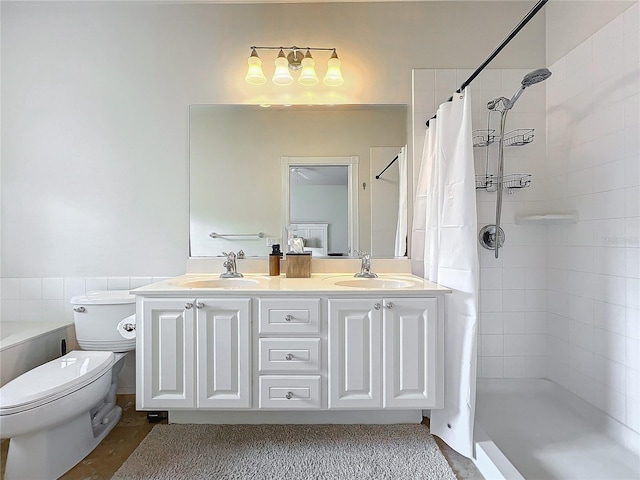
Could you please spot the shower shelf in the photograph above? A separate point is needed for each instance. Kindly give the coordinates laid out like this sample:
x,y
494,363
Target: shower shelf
x,y
547,219
518,137
509,182
483,138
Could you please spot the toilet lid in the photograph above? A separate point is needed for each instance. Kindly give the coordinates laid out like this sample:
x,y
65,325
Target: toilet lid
x,y
53,380
104,297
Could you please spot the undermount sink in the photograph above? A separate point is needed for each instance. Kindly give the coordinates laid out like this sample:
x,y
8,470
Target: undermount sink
x,y
219,283
374,283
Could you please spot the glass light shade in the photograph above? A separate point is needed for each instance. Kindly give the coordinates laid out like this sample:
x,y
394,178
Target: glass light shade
x,y
333,78
255,76
308,75
282,75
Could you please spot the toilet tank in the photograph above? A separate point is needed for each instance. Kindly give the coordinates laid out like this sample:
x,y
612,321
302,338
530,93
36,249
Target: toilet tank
x,y
97,316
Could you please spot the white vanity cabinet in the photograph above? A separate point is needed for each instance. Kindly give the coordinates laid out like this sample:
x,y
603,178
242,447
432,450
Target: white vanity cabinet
x,y
195,353
383,353
289,353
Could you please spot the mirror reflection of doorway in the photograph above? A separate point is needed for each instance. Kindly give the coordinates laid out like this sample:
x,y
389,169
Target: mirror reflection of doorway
x,y
320,203
319,194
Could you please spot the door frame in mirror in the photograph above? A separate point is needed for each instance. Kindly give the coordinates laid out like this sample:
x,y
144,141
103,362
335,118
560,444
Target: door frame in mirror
x,y
352,163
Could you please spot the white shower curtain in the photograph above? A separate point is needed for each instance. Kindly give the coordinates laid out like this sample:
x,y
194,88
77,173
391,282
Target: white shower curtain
x,y
444,251
401,229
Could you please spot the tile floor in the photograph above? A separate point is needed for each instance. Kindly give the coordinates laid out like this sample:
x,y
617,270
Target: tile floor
x,y
105,460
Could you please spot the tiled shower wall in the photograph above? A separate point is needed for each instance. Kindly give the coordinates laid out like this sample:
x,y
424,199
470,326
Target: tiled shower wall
x,y
593,167
512,305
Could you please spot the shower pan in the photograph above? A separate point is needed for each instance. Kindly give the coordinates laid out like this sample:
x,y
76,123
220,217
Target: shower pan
x,y
492,236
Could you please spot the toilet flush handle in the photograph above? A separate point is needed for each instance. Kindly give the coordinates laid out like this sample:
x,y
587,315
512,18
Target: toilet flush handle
x,y
129,327
79,309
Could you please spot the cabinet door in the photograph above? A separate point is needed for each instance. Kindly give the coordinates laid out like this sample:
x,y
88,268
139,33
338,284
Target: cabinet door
x,y
411,371
355,327
224,368
165,355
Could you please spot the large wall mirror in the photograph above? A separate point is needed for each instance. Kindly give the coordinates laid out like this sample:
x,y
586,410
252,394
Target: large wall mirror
x,y
256,170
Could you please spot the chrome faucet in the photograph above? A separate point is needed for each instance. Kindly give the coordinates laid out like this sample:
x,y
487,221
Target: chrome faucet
x,y
230,265
365,268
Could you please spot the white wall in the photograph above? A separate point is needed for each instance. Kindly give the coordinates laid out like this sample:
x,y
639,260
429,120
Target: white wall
x,y
594,266
94,107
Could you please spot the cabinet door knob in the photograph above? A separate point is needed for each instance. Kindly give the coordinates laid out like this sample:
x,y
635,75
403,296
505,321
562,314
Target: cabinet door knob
x,y
389,305
289,395
199,305
289,357
376,306
188,305
288,318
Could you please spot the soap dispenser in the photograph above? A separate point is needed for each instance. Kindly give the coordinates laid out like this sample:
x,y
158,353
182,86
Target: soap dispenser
x,y
274,260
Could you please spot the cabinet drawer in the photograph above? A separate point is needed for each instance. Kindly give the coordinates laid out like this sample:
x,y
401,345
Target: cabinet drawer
x,y
290,392
289,354
289,315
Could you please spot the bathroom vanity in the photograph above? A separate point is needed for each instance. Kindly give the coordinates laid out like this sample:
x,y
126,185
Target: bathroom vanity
x,y
258,349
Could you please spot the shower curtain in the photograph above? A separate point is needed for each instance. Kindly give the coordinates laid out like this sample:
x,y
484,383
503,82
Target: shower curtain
x,y
444,251
401,229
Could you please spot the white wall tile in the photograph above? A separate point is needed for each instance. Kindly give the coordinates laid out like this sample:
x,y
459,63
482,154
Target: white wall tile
x,y
30,310
10,289
53,288
96,283
490,323
609,345
73,287
53,310
515,367
118,283
514,323
30,288
492,367
515,345
633,293
137,282
632,352
609,317
632,319
491,345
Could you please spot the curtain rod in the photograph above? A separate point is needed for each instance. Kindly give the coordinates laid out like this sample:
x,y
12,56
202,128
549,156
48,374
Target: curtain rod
x,y
532,13
385,168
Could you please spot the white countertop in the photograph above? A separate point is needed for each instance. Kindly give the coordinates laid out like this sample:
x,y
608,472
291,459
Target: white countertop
x,y
318,283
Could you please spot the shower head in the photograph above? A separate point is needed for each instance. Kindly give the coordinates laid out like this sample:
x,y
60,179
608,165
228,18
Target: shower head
x,y
536,76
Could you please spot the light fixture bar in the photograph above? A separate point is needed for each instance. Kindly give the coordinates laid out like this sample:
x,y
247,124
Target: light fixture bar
x,y
295,59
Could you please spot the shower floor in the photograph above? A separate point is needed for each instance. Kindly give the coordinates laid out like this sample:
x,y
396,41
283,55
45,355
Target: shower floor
x,y
546,432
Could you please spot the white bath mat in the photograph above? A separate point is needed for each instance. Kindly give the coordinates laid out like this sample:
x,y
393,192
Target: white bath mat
x,y
287,451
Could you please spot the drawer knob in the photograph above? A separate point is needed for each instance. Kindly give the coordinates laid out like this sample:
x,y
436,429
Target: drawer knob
x,y
289,395
288,318
289,357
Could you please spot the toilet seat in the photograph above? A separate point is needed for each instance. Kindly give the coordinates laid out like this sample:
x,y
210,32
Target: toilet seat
x,y
53,380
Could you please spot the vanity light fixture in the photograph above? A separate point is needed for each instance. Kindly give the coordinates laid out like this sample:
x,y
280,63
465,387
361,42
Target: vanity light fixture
x,y
296,59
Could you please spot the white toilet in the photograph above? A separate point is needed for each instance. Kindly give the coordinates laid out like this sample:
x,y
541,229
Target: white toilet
x,y
57,413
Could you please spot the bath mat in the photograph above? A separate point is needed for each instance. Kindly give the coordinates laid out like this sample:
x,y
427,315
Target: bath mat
x,y
267,452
